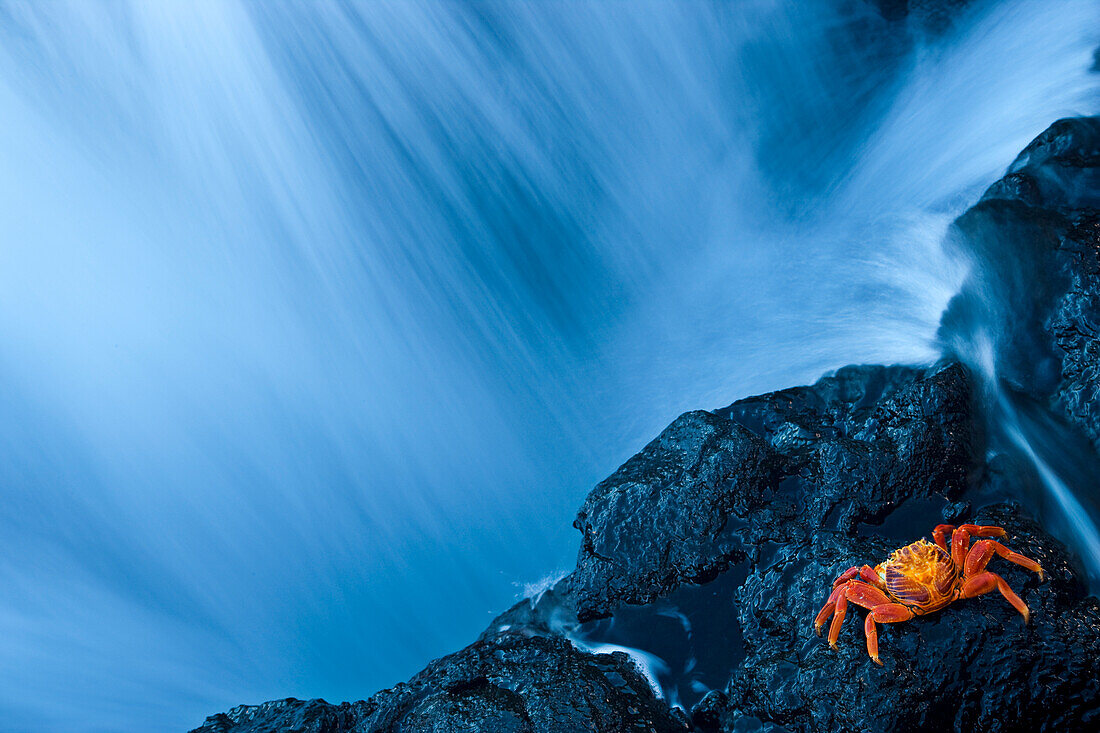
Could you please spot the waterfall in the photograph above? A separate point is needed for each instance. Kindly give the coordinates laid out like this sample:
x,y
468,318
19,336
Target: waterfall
x,y
319,320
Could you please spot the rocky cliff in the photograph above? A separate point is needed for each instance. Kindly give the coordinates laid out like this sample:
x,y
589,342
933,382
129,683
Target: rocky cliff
x,y
713,548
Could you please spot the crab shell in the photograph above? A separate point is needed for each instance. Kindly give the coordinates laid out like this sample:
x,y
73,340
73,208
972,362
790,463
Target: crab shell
x,y
922,576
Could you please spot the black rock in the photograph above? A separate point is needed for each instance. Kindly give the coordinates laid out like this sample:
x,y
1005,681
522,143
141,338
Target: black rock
x,y
973,666
509,683
307,716
1032,304
668,515
714,487
871,459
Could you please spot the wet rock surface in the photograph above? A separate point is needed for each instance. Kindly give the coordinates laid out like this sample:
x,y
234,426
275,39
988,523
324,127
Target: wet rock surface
x,y
1033,300
707,555
510,683
716,488
974,665
669,514
872,458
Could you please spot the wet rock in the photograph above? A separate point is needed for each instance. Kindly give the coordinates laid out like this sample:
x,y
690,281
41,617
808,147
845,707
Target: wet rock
x,y
509,683
663,518
870,437
929,16
714,488
1061,166
870,459
1031,308
973,666
308,716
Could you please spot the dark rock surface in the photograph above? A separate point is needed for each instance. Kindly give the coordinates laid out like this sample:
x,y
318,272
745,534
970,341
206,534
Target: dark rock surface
x,y
975,665
667,516
1034,296
715,487
871,459
712,550
513,682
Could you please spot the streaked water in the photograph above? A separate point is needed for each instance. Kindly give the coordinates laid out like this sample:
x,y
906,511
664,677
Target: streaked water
x,y
317,321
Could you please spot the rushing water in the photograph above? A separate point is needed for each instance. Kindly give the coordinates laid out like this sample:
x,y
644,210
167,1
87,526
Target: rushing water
x,y
317,321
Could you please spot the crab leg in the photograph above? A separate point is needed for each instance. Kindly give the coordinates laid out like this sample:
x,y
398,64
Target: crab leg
x,y
960,541
858,593
888,613
986,582
982,552
983,530
828,610
846,576
960,545
865,573
972,530
838,618
939,532
870,598
868,575
865,595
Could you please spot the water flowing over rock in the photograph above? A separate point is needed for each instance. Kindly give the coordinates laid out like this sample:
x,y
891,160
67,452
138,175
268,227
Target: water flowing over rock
x,y
712,549
1034,297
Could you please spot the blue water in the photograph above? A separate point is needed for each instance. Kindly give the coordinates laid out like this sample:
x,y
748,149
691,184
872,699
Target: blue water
x,y
318,321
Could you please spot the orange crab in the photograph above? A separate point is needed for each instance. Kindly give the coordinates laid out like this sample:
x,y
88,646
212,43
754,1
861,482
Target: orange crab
x,y
922,578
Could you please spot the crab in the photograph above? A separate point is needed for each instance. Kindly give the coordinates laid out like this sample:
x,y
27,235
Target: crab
x,y
922,578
